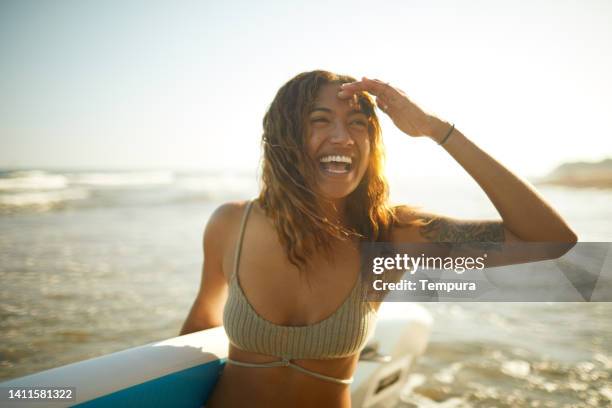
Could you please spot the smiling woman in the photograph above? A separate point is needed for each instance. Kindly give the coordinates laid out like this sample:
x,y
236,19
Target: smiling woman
x,y
283,272
309,135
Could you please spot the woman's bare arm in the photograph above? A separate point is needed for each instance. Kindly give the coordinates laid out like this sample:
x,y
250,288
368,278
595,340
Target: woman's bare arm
x,y
207,309
525,215
523,211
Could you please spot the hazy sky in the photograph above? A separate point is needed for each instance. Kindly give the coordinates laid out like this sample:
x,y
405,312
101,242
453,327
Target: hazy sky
x,y
185,84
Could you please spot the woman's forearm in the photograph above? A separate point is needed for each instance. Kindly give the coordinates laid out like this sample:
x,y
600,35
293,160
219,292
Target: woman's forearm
x,y
524,212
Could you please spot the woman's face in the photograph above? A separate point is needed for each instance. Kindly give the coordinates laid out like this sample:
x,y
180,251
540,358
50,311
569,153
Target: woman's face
x,y
338,143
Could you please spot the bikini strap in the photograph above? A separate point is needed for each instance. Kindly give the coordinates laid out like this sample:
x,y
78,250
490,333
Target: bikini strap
x,y
287,363
240,236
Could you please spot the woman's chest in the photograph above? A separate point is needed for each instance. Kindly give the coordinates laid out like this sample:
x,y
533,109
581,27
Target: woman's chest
x,y
282,293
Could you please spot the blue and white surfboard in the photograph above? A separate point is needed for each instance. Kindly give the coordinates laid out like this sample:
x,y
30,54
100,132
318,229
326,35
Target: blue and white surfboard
x,y
182,371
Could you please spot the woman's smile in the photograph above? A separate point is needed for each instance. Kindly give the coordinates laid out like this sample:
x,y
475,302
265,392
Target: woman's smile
x,y
336,165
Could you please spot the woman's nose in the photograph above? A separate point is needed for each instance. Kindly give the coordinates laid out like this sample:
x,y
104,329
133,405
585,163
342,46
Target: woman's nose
x,y
340,133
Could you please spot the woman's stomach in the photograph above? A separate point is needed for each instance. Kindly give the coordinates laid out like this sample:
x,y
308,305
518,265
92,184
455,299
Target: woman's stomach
x,y
282,386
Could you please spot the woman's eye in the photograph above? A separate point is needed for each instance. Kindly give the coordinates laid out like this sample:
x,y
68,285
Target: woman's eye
x,y
320,120
360,122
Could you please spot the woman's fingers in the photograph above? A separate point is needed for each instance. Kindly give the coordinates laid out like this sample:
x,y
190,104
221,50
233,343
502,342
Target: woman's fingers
x,y
348,90
378,88
368,85
375,87
404,113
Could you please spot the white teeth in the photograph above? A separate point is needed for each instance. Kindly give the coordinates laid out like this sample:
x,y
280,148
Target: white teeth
x,y
337,171
339,159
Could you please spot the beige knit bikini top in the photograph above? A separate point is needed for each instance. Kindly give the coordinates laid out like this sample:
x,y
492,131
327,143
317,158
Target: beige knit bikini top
x,y
342,334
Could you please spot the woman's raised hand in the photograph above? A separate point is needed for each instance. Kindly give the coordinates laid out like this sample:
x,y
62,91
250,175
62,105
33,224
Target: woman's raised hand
x,y
404,113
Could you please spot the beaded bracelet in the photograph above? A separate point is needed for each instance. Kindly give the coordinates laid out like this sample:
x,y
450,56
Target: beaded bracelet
x,y
447,135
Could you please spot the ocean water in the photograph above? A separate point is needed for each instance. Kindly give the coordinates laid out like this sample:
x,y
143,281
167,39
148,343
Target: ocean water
x,y
93,262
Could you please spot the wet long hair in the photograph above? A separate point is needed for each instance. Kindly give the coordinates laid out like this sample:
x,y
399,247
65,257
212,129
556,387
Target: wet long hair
x,y
287,176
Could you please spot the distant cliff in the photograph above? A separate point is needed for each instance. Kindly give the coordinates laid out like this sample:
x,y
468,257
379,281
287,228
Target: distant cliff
x,y
581,174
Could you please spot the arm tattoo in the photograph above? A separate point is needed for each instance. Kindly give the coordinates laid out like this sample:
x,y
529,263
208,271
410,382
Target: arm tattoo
x,y
488,234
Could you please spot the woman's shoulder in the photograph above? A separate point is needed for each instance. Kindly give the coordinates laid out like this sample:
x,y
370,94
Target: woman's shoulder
x,y
229,211
225,219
